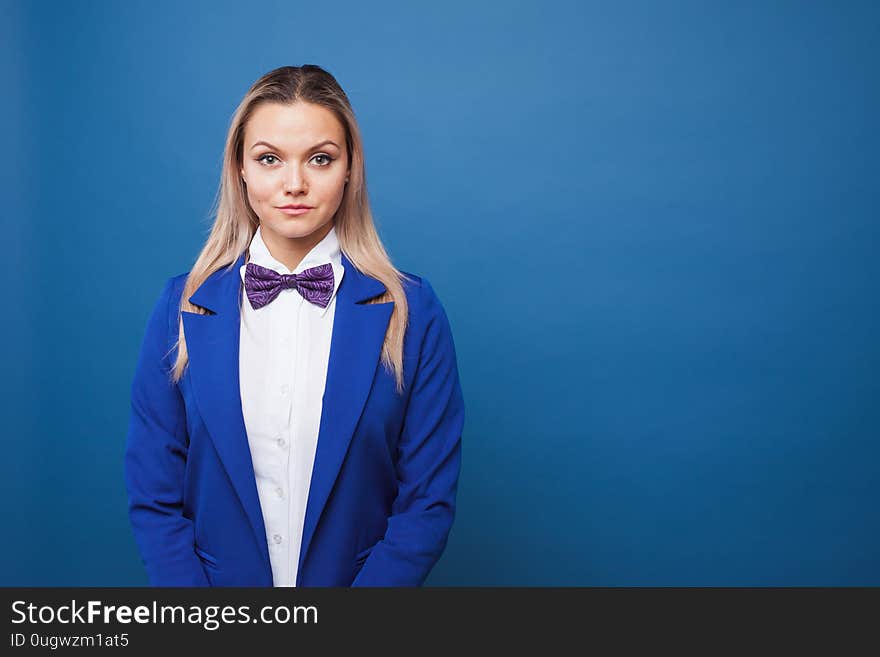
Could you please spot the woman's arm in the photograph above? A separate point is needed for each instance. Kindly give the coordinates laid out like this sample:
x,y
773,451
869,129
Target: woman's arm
x,y
155,457
428,462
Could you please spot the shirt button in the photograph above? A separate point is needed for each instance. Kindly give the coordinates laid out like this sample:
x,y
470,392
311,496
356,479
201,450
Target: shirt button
x,y
279,491
277,538
281,442
284,389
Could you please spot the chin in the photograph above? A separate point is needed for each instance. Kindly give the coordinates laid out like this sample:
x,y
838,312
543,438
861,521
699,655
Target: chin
x,y
293,227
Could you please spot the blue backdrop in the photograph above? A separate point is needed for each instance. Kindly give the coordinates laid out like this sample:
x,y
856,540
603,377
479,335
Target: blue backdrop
x,y
653,227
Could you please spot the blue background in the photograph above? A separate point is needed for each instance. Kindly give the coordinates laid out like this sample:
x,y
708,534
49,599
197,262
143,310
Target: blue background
x,y
653,227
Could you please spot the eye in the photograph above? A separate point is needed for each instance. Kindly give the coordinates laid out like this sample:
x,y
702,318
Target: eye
x,y
326,157
263,161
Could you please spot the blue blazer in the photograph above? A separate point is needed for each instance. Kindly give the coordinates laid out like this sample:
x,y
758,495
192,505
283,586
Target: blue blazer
x,y
382,494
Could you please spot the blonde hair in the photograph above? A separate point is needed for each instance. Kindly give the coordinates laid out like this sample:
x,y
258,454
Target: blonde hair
x,y
236,222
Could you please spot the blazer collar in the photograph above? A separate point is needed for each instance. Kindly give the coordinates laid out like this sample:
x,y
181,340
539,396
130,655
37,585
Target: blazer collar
x,y
221,292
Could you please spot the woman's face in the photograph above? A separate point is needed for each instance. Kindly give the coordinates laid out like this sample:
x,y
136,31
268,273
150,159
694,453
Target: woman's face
x,y
294,155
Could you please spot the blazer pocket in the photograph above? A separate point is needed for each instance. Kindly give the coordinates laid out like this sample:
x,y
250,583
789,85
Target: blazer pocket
x,y
204,556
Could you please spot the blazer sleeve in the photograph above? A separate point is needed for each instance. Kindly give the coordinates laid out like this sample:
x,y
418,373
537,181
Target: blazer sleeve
x,y
428,461
155,456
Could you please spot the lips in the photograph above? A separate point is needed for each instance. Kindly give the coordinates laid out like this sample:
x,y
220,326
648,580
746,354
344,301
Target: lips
x,y
295,210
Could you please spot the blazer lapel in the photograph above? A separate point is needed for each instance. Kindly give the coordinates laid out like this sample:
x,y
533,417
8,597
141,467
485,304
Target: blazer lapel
x,y
355,350
212,343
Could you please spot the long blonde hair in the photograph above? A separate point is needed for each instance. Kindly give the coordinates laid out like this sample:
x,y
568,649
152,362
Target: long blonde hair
x,y
236,222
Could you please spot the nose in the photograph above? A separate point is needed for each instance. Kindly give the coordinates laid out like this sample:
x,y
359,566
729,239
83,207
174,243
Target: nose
x,y
294,179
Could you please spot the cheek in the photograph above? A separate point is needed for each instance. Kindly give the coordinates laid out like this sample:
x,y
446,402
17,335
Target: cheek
x,y
260,187
332,190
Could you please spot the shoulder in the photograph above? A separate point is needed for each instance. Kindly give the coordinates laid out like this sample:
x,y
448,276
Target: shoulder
x,y
427,316
172,291
420,295
429,333
164,315
175,284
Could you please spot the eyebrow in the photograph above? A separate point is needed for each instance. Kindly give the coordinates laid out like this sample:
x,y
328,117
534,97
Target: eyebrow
x,y
323,143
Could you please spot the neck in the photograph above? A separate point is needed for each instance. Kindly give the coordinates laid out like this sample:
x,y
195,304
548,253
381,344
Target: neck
x,y
290,251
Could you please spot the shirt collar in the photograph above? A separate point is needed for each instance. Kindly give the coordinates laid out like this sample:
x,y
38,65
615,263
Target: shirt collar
x,y
327,250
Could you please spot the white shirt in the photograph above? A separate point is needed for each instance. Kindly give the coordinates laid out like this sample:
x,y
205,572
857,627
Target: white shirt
x,y
284,350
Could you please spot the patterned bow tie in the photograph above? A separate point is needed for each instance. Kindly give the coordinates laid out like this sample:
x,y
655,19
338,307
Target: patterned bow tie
x,y
263,285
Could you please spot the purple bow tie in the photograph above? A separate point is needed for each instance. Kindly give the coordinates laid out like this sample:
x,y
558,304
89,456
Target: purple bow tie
x,y
263,285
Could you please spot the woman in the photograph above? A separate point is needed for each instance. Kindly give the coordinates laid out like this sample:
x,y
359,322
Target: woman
x,y
296,412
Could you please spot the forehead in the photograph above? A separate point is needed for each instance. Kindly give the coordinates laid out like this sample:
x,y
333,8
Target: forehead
x,y
297,126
